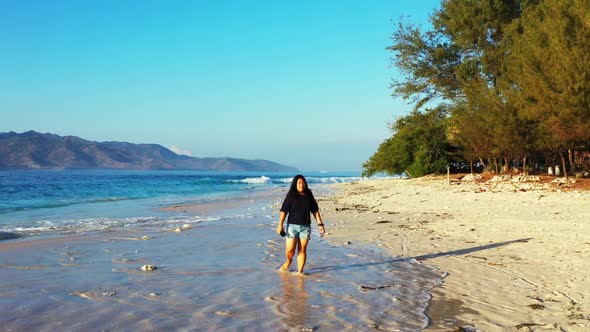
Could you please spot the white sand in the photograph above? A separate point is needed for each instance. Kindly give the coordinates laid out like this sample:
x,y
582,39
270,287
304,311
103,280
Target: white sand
x,y
517,255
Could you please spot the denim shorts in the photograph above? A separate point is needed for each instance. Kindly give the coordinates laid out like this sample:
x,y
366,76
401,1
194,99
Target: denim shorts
x,y
298,231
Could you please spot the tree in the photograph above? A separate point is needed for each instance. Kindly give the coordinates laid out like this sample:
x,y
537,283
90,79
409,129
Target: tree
x,y
548,71
418,146
427,62
512,75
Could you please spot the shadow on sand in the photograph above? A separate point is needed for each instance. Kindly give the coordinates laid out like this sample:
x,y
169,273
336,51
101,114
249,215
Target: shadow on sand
x,y
421,257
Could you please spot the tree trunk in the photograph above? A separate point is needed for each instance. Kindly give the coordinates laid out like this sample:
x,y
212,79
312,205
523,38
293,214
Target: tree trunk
x,y
563,164
524,166
570,156
408,173
506,165
471,166
482,163
496,165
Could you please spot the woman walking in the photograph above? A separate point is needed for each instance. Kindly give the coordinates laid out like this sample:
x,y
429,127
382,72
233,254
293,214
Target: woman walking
x,y
298,205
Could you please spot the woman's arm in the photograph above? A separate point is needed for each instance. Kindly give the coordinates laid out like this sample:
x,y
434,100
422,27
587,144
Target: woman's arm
x,y
281,220
318,218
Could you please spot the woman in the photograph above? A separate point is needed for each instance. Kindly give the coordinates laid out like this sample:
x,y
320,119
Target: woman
x,y
298,204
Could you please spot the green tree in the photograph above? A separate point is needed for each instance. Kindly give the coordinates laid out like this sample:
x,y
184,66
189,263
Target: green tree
x,y
548,72
512,75
427,63
418,146
458,63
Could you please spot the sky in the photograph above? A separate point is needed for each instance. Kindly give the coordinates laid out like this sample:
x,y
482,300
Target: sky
x,y
301,83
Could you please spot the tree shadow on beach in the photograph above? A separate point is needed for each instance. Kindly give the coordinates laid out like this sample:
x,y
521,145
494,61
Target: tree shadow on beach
x,y
458,252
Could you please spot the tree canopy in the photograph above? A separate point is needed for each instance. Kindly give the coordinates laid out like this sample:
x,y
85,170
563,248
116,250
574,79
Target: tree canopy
x,y
513,79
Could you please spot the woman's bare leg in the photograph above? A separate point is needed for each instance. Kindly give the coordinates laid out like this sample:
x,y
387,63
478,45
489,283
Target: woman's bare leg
x,y
289,253
302,255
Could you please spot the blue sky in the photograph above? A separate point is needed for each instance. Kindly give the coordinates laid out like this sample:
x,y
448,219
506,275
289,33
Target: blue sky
x,y
302,83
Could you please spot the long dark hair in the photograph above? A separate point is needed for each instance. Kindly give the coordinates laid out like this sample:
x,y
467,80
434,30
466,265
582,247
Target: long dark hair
x,y
293,189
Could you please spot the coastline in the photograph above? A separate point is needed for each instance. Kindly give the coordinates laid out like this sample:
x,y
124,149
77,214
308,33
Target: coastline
x,y
515,252
203,279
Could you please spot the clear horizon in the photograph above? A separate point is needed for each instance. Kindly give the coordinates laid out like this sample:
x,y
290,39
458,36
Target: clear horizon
x,y
302,84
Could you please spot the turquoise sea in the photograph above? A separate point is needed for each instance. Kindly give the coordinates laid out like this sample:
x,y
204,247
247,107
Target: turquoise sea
x,y
45,203
72,251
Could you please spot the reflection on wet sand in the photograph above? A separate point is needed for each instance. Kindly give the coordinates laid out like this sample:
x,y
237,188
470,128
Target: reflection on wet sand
x,y
293,302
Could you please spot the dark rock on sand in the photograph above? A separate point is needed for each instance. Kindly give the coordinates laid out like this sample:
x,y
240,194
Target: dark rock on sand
x,y
9,236
467,328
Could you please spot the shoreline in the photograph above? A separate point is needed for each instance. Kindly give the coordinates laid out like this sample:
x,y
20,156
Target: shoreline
x,y
193,289
515,252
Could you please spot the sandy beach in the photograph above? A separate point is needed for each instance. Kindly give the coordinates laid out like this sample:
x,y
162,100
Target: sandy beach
x,y
207,266
516,253
494,255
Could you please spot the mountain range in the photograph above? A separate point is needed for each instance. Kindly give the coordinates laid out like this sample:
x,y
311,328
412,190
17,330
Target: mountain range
x,y
33,150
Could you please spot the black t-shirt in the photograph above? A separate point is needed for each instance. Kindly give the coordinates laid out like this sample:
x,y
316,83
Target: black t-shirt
x,y
298,207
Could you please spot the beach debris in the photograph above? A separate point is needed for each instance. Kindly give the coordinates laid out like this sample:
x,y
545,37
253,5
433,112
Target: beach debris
x,y
224,313
149,267
383,222
578,315
449,321
471,177
177,230
515,178
186,226
84,295
145,237
92,295
561,181
468,328
537,306
376,287
523,325
154,294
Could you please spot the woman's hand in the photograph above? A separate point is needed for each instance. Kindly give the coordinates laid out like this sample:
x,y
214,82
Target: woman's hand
x,y
279,229
322,230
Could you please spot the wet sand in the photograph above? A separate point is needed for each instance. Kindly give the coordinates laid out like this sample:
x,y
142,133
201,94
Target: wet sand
x,y
214,275
516,253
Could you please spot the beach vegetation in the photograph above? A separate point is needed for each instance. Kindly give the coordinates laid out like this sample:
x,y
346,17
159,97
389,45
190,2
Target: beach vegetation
x,y
513,78
417,147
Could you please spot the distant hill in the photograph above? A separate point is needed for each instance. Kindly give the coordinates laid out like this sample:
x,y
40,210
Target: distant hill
x,y
33,150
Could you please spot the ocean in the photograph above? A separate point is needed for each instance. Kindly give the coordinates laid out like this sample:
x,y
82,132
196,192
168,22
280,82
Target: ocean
x,y
45,203
72,251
